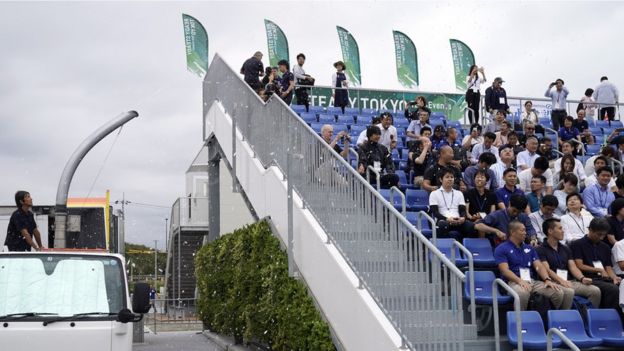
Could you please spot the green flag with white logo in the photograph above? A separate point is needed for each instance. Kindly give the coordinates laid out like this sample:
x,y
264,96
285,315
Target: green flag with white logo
x,y
276,42
350,56
463,58
406,60
196,42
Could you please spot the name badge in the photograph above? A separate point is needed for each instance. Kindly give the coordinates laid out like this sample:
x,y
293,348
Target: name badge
x,y
377,166
525,274
501,100
598,264
482,215
563,274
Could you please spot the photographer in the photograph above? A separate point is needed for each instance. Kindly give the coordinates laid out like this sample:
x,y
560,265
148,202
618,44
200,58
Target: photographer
x,y
373,153
269,82
302,79
559,102
327,132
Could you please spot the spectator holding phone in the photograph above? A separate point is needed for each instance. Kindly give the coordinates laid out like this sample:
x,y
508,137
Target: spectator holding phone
x,y
473,95
558,96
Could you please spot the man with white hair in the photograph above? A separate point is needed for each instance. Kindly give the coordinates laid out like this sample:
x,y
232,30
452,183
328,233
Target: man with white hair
x,y
327,131
253,69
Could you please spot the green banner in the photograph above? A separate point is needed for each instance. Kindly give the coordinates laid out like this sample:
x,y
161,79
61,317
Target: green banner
x,y
277,43
406,60
196,41
463,58
350,56
452,105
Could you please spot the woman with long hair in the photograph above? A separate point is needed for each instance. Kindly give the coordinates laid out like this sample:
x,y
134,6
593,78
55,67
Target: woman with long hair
x,y
473,95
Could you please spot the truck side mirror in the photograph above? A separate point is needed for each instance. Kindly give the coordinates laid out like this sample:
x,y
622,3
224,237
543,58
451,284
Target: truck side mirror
x,y
141,298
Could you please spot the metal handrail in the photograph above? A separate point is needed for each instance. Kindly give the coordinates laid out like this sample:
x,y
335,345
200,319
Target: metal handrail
x,y
371,168
352,151
517,309
555,133
619,163
468,254
432,222
564,338
574,141
393,190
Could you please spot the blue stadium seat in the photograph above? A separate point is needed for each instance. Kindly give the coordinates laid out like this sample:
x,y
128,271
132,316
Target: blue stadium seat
x,y
317,127
298,108
417,200
317,109
356,130
608,131
345,119
404,183
369,112
354,163
339,128
591,150
395,154
544,121
333,110
570,323
455,124
605,324
362,119
533,335
309,117
436,114
402,165
412,217
351,111
325,118
583,159
483,289
400,123
602,124
482,253
595,130
617,124
599,139
446,246
397,202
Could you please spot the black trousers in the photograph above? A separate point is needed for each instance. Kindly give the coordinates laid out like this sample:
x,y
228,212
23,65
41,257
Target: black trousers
x,y
466,229
610,294
386,181
303,98
473,99
610,111
557,117
288,98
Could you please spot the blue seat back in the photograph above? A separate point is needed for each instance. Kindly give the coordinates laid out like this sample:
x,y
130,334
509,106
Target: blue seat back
x,y
568,321
317,109
346,119
357,129
595,130
417,198
317,127
351,111
604,323
483,284
369,112
602,124
333,110
617,124
325,118
445,246
532,327
592,149
340,128
480,248
309,117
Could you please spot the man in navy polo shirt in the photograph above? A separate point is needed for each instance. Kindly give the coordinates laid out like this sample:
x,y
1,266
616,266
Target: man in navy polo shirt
x,y
287,82
498,221
22,232
520,267
510,176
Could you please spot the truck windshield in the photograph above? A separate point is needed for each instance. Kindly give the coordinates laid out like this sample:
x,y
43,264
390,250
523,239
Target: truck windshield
x,y
61,284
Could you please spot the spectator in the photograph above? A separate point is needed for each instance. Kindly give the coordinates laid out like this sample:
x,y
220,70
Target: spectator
x,y
536,194
580,122
540,167
576,222
340,83
619,184
587,104
597,197
431,179
362,137
412,108
569,133
557,259
439,133
546,149
373,153
447,205
501,135
546,210
327,131
513,141
420,155
568,164
252,70
529,131
616,221
607,151
504,194
520,266
497,123
472,139
498,221
388,132
599,162
527,158
286,82
570,186
606,96
270,82
593,258
559,102
473,95
413,130
617,258
505,161
481,201
529,114
22,231
304,79
486,160
486,146
496,97
459,154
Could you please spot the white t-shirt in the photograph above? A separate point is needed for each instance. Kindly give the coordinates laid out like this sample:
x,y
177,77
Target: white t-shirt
x,y
575,227
385,139
525,179
525,158
579,170
474,83
617,255
448,202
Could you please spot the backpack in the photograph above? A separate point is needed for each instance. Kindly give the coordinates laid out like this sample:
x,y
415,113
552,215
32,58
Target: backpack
x,y
541,304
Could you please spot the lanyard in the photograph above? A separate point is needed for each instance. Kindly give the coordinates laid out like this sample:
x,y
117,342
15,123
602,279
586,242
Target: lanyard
x,y
581,227
480,203
444,198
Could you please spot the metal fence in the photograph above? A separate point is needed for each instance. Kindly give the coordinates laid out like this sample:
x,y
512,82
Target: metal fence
x,y
189,211
172,315
414,284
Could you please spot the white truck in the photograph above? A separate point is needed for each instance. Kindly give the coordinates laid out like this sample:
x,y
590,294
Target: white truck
x,y
67,300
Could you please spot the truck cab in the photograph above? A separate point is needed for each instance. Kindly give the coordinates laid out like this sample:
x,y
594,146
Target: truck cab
x,y
67,300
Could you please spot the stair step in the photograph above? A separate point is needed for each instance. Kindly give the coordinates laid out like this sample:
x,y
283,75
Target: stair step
x,y
425,334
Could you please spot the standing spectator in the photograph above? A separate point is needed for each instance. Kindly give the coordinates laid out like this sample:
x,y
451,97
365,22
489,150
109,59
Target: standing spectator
x,y
545,211
559,262
569,133
540,167
302,78
472,139
499,221
546,149
473,95
505,161
599,162
559,102
373,153
570,183
486,160
527,158
448,206
606,96
413,130
577,166
327,131
616,221
252,70
412,108
286,82
576,222
420,155
497,123
486,146
431,179
340,83
496,97
598,197
504,194
587,104
536,194
501,135
22,232
529,114
593,258
270,82
481,201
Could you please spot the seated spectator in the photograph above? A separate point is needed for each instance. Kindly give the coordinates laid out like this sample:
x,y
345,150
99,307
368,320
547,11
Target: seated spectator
x,y
420,155
486,146
362,137
327,130
459,154
439,133
512,139
579,171
568,132
286,82
413,130
527,157
480,200
568,162
557,259
520,267
599,162
616,221
529,131
569,186
607,151
583,127
540,167
546,149
447,205
472,139
598,197
593,258
504,194
486,160
506,158
372,153
529,114
545,211
501,135
497,123
431,179
388,132
538,182
619,184
576,221
497,222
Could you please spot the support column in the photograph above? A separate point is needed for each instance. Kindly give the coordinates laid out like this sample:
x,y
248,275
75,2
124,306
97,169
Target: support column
x,y
214,196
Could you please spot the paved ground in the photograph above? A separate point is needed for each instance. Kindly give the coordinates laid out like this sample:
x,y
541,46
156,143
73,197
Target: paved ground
x,y
179,341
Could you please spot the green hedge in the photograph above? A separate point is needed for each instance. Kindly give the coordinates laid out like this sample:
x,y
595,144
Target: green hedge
x,y
245,292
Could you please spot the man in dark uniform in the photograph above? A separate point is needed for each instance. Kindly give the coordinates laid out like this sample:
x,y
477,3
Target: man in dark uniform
x,y
372,153
253,69
286,81
22,226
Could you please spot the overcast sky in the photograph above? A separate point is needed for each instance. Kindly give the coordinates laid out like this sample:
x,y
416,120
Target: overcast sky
x,y
67,68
